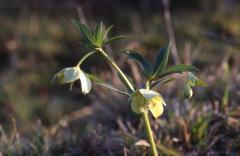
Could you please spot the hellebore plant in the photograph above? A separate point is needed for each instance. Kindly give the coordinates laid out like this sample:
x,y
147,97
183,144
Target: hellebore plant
x,y
143,100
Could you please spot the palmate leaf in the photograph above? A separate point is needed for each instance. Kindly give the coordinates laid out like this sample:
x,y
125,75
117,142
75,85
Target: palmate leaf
x,y
98,37
144,64
113,39
177,69
107,31
100,82
99,34
162,81
86,32
161,61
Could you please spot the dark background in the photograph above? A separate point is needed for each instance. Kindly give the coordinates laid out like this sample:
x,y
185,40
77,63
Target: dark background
x,y
38,117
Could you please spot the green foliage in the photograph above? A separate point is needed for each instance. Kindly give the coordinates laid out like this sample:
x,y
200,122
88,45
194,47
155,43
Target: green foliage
x,y
200,126
98,38
177,69
158,70
85,31
162,81
99,34
113,39
144,64
161,61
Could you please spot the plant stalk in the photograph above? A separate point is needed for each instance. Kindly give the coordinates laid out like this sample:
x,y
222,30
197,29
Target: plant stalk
x,y
149,134
129,85
84,57
148,127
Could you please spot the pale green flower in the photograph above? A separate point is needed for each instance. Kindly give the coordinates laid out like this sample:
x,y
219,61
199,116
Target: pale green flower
x,y
144,100
70,75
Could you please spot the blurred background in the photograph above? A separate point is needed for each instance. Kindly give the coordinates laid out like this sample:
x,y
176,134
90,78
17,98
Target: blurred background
x,y
38,117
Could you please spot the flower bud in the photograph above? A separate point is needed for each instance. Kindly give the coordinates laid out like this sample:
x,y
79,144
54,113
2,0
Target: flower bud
x,y
188,92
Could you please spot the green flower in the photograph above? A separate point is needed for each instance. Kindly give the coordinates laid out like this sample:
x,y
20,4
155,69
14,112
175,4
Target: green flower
x,y
144,100
70,75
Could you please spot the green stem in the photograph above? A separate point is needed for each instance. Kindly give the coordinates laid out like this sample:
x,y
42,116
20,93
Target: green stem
x,y
129,85
149,134
148,85
85,56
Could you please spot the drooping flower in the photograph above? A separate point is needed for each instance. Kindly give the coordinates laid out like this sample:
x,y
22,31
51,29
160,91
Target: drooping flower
x,y
70,75
144,100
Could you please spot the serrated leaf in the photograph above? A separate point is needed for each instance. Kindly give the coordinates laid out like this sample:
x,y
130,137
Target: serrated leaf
x,y
99,34
162,81
100,82
177,69
107,31
113,39
144,64
161,61
86,32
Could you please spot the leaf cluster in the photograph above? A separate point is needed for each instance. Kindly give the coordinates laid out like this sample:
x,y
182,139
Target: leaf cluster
x,y
97,38
155,72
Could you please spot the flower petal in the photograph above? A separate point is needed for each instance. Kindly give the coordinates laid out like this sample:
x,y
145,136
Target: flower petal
x,y
71,74
155,105
86,84
148,94
138,104
67,75
144,100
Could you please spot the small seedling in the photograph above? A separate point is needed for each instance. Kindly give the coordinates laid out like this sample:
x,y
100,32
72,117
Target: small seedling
x,y
143,100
